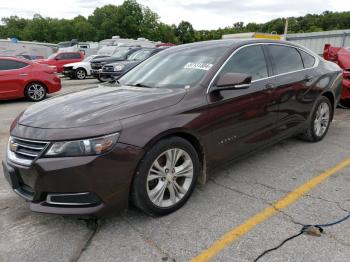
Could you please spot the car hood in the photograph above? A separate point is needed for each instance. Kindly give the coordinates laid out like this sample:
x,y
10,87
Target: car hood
x,y
98,105
76,64
108,60
126,62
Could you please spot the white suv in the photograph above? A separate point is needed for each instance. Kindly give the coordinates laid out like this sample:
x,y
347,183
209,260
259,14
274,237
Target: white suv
x,y
80,70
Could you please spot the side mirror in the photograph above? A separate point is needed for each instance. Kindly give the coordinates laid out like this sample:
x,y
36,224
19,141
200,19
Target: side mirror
x,y
57,58
232,81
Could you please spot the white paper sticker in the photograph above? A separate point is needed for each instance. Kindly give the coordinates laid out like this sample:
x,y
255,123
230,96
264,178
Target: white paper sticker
x,y
200,66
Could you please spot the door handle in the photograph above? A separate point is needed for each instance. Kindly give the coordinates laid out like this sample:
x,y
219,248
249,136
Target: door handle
x,y
308,78
23,74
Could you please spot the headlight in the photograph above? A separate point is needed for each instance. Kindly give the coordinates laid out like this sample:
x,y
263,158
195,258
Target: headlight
x,y
119,67
93,146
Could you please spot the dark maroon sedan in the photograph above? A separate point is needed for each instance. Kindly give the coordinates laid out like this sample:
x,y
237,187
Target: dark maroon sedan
x,y
150,137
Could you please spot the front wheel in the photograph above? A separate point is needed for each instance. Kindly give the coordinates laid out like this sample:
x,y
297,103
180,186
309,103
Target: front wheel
x,y
102,79
166,177
320,121
80,74
35,92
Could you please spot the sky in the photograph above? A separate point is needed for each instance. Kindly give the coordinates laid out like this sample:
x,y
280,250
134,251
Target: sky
x,y
202,14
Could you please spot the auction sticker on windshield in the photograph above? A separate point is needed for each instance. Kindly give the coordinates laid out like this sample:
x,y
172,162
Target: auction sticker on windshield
x,y
201,66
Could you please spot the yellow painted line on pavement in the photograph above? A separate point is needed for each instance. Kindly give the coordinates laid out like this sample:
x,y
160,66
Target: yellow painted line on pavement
x,y
228,238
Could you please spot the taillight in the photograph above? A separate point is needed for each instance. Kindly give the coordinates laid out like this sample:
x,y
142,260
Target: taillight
x,y
51,70
346,74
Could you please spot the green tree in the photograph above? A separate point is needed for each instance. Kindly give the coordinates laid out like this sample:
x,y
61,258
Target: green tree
x,y
185,32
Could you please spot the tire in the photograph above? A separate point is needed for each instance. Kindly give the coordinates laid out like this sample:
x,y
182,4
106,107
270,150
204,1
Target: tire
x,y
102,80
318,127
80,73
35,92
152,190
344,103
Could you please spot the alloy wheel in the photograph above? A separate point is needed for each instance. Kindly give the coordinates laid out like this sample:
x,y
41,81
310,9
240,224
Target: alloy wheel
x,y
36,92
322,119
170,177
80,74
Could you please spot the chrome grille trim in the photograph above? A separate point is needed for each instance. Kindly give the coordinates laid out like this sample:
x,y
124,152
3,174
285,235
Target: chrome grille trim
x,y
24,151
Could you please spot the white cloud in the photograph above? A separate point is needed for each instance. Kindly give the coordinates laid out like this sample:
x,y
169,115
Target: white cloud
x,y
203,14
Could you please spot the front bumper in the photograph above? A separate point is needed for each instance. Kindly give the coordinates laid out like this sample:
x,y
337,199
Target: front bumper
x,y
89,185
95,72
70,72
110,74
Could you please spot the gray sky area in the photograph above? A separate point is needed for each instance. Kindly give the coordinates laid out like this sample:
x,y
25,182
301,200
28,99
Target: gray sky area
x,y
203,14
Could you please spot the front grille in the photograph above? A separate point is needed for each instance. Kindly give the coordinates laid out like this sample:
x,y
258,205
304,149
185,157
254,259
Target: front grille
x,y
108,68
96,66
67,68
23,151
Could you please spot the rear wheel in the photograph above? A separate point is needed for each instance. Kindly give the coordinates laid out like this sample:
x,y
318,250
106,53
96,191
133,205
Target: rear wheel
x,y
35,92
320,121
80,73
166,177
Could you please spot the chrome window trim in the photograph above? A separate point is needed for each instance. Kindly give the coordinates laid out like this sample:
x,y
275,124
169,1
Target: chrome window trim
x,y
317,61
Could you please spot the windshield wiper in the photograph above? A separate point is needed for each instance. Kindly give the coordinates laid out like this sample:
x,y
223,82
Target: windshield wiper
x,y
142,85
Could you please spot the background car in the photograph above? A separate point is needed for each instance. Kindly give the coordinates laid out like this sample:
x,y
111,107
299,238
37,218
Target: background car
x,y
120,54
80,70
60,59
115,70
24,78
340,56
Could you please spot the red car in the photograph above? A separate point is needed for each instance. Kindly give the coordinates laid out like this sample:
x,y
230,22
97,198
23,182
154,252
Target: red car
x,y
24,78
341,56
61,59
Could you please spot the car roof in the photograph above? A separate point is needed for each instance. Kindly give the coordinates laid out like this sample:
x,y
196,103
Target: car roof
x,y
18,59
229,43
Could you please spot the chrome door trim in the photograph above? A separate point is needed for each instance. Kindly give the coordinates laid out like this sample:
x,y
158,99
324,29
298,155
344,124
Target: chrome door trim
x,y
317,61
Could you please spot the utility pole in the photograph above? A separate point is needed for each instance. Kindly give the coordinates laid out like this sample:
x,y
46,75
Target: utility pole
x,y
286,29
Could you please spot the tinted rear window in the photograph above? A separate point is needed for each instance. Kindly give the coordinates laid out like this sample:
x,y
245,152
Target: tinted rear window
x,y
10,64
285,59
72,56
308,60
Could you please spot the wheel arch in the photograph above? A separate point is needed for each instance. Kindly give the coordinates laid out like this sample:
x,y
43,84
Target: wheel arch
x,y
330,95
193,138
35,81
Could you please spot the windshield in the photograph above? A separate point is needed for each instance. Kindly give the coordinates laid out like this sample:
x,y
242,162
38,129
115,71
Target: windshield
x,y
121,52
139,55
64,44
52,56
174,69
87,59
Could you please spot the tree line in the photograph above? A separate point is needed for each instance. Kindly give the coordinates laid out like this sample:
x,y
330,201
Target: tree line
x,y
132,20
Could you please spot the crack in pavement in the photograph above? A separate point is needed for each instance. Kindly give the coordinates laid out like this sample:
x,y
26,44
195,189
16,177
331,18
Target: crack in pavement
x,y
149,241
93,226
265,201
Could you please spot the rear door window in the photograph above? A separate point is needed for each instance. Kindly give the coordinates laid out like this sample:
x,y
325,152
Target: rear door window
x,y
11,64
249,60
285,59
309,60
